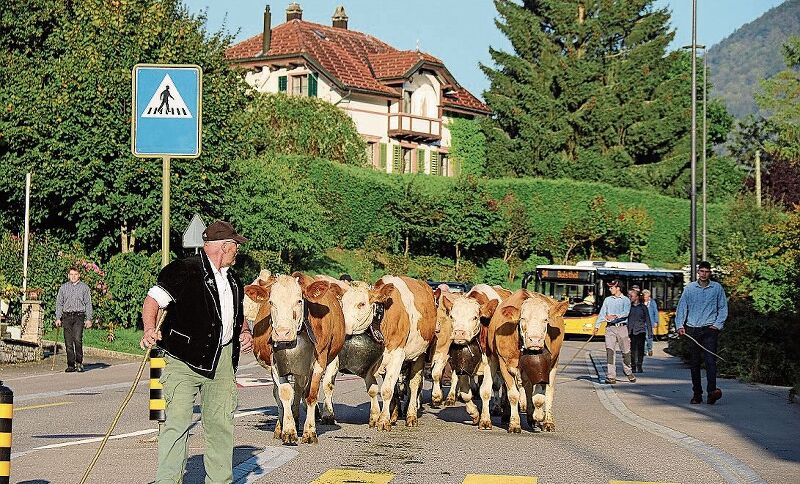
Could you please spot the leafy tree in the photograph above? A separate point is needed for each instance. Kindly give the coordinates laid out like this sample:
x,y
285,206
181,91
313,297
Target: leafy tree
x,y
414,213
781,98
633,227
65,88
468,145
292,125
587,228
278,211
514,231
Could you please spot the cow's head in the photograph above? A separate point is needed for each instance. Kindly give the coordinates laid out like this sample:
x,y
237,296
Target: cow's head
x,y
464,313
535,314
357,309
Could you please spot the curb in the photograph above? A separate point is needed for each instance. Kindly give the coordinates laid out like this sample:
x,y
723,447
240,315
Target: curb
x,y
91,351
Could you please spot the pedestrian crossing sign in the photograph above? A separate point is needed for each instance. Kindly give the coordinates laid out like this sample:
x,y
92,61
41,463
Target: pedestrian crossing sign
x,y
167,107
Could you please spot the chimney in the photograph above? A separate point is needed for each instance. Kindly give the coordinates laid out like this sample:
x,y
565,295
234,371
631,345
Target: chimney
x,y
293,11
339,18
266,38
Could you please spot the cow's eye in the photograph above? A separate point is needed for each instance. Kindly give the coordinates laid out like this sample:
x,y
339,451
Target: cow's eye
x,y
360,305
272,304
299,301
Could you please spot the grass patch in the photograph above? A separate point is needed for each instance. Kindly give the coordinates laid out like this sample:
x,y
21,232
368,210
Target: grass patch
x,y
126,340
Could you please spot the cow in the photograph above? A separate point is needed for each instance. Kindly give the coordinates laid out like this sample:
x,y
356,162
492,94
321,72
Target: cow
x,y
525,337
408,327
299,329
363,348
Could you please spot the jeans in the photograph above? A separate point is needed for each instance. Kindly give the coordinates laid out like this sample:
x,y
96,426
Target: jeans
x,y
707,337
73,337
637,350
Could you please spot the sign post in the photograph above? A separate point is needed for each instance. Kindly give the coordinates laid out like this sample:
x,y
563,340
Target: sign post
x,y
167,122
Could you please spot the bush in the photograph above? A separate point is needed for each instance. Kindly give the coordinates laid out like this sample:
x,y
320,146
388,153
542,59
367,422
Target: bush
x,y
129,277
495,272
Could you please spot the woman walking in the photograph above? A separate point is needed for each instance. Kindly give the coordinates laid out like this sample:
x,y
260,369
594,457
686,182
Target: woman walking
x,y
639,328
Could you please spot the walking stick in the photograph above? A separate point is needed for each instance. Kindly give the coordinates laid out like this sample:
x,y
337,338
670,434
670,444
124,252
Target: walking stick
x,y
55,348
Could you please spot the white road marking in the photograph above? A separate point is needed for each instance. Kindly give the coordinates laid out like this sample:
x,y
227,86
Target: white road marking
x,y
262,464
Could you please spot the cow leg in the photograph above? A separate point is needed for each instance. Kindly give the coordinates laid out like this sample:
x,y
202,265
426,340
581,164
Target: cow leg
x,y
524,394
538,401
497,394
393,362
286,395
513,398
372,390
310,427
414,386
486,392
278,403
451,394
328,381
465,393
528,389
549,424
439,362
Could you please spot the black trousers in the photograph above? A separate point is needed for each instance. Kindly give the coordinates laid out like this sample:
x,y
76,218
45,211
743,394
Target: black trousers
x,y
637,349
73,337
707,337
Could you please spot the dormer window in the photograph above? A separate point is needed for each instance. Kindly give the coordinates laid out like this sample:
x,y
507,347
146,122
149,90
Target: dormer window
x,y
407,102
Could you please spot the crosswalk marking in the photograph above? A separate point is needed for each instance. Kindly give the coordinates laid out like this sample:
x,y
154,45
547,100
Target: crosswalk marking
x,y
339,476
498,479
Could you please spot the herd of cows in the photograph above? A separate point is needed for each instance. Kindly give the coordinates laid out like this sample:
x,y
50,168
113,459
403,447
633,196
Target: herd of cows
x,y
307,329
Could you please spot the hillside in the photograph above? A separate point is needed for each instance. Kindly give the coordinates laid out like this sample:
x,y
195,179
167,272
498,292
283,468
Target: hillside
x,y
750,54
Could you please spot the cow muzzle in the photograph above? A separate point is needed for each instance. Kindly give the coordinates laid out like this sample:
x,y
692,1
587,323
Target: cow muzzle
x,y
284,335
461,337
534,344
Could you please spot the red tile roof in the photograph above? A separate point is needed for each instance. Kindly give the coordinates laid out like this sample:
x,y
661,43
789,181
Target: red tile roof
x,y
356,60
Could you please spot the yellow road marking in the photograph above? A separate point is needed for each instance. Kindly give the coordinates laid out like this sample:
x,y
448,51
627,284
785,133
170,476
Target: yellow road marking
x,y
45,405
639,482
340,476
498,479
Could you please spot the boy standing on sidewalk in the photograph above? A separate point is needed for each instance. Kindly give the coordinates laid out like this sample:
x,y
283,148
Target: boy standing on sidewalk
x,y
702,311
614,313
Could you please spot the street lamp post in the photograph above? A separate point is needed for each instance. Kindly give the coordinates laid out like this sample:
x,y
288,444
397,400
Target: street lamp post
x,y
705,138
693,166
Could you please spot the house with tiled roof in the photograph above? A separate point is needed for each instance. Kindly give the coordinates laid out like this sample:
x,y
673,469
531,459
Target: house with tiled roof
x,y
400,100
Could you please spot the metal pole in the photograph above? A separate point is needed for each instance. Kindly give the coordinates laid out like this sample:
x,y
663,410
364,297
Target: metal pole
x,y
693,187
165,212
705,138
758,178
26,235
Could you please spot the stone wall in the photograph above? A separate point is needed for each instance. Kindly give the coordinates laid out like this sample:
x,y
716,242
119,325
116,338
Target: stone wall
x,y
16,351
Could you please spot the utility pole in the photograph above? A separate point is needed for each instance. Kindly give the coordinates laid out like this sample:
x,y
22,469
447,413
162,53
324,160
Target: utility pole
x,y
705,138
758,178
693,187
26,236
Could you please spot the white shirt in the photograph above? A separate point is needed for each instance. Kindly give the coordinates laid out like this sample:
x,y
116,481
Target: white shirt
x,y
225,299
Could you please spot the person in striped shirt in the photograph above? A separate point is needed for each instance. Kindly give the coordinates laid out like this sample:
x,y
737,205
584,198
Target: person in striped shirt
x,y
74,313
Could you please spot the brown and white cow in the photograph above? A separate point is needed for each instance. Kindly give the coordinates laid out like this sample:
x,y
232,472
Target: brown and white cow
x,y
299,329
408,327
526,328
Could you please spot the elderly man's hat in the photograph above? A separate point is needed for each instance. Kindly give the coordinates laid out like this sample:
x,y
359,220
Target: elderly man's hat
x,y
222,230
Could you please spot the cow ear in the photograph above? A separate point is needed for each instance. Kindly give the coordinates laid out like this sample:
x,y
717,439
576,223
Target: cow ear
x,y
380,294
257,293
559,308
510,313
337,291
437,293
448,303
488,309
480,297
302,279
266,282
316,290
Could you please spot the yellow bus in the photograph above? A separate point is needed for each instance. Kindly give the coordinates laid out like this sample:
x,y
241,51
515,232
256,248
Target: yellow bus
x,y
584,285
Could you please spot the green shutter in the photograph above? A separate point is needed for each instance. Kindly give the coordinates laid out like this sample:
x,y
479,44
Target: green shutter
x,y
282,84
397,159
420,160
383,156
434,162
312,85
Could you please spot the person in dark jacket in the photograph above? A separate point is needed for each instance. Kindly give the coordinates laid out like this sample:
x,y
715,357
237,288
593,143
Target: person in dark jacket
x,y
202,334
639,329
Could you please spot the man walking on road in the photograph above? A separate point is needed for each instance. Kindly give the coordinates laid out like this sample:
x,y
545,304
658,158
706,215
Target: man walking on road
x,y
702,311
202,335
74,312
614,313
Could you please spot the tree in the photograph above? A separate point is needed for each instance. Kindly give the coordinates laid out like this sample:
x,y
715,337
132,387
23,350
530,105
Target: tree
x,y
415,214
633,229
278,211
514,231
780,96
588,90
65,88
587,228
468,145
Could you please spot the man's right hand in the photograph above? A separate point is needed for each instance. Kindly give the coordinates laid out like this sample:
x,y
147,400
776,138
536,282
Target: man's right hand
x,y
681,331
594,331
149,338
58,323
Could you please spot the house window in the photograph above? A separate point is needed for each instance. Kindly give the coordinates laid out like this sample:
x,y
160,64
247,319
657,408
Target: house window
x,y
304,85
406,160
371,153
444,161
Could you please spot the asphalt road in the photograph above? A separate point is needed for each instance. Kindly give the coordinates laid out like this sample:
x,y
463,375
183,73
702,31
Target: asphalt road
x,y
643,432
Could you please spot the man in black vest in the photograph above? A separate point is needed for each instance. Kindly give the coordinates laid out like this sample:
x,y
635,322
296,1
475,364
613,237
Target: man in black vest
x,y
202,335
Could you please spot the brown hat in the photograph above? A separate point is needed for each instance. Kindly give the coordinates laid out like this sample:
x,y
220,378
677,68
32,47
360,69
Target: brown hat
x,y
614,282
222,230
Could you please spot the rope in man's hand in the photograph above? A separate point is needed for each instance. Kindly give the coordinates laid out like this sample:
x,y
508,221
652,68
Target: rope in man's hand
x,y
703,347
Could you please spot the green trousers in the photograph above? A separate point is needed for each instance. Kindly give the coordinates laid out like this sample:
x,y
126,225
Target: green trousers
x,y
218,397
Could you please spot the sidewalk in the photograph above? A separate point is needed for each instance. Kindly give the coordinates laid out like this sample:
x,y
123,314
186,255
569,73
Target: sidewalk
x,y
756,424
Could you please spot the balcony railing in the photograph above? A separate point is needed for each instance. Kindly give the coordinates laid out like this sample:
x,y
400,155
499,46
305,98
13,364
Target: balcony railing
x,y
415,128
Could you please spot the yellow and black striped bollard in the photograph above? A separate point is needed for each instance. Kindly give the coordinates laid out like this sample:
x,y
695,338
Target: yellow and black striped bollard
x,y
6,414
157,402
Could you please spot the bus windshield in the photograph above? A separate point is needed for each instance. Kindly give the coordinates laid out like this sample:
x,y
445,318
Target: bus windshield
x,y
581,297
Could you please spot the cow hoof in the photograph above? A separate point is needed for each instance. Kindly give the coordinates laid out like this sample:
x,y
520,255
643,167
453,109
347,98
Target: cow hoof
x,y
411,421
328,419
373,421
277,433
384,425
538,414
436,402
549,427
485,425
310,438
475,419
514,429
450,402
289,438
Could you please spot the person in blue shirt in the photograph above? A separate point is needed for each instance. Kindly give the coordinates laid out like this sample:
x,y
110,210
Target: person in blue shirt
x,y
614,313
652,309
702,311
